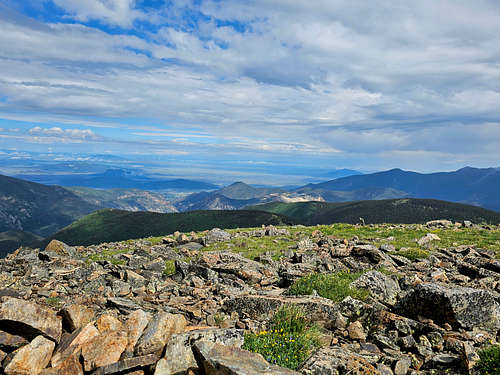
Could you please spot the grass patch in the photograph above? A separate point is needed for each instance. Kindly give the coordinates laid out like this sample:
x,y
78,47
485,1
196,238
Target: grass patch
x,y
54,301
252,247
110,255
169,268
334,286
489,363
289,341
412,254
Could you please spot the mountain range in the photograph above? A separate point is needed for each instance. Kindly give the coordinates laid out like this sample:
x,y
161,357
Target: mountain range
x,y
475,186
118,178
29,211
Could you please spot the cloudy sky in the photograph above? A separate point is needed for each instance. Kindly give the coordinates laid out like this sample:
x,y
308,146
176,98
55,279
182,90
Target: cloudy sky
x,y
261,88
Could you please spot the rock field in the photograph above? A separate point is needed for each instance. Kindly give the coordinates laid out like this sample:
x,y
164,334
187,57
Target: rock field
x,y
123,308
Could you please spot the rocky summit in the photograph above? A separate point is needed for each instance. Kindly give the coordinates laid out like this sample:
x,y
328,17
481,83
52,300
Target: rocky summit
x,y
187,303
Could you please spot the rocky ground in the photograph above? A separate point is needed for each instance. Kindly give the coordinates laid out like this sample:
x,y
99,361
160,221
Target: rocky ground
x,y
176,306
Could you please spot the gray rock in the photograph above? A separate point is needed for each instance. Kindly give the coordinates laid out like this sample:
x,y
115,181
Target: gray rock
x,y
262,307
461,307
381,286
179,357
217,235
216,359
335,361
159,329
128,365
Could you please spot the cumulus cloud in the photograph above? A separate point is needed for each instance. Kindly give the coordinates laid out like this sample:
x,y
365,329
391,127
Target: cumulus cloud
x,y
114,12
330,77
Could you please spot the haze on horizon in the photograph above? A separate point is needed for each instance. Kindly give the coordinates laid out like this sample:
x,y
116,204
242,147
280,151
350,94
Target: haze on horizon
x,y
254,90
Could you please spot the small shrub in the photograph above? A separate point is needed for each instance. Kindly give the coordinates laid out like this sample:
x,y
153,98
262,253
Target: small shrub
x,y
334,286
412,254
489,363
290,340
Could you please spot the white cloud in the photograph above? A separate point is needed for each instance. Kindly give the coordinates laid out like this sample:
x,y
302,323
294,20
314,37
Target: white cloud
x,y
336,76
114,12
64,134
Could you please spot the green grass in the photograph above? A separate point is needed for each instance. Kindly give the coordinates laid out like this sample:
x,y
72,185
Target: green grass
x,y
406,210
110,255
290,339
111,225
489,363
334,286
412,254
405,236
169,268
253,247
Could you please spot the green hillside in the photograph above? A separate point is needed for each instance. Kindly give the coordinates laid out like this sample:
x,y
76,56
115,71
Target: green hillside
x,y
110,225
381,211
11,240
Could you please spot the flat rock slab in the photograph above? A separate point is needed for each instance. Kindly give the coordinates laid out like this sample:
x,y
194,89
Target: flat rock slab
x,y
159,329
262,307
104,349
28,319
337,361
461,307
31,359
127,364
71,344
216,359
179,356
248,270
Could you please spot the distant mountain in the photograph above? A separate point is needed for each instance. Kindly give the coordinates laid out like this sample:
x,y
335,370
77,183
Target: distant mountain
x,y
467,185
338,173
39,209
237,196
380,211
212,201
120,178
125,199
240,190
111,225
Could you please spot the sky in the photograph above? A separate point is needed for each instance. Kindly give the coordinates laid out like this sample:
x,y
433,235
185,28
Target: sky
x,y
258,90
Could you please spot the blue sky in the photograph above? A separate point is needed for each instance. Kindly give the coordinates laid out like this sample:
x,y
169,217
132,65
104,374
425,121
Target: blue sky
x,y
250,89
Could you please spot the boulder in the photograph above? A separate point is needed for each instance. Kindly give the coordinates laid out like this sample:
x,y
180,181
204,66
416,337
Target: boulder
x,y
135,324
248,270
217,235
159,329
107,322
263,307
179,356
216,359
76,316
28,319
427,239
126,365
461,307
104,349
71,366
71,344
334,361
381,287
32,358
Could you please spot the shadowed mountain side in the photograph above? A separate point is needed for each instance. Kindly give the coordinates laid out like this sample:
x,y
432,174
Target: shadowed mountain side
x,y
380,211
468,185
40,209
111,225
